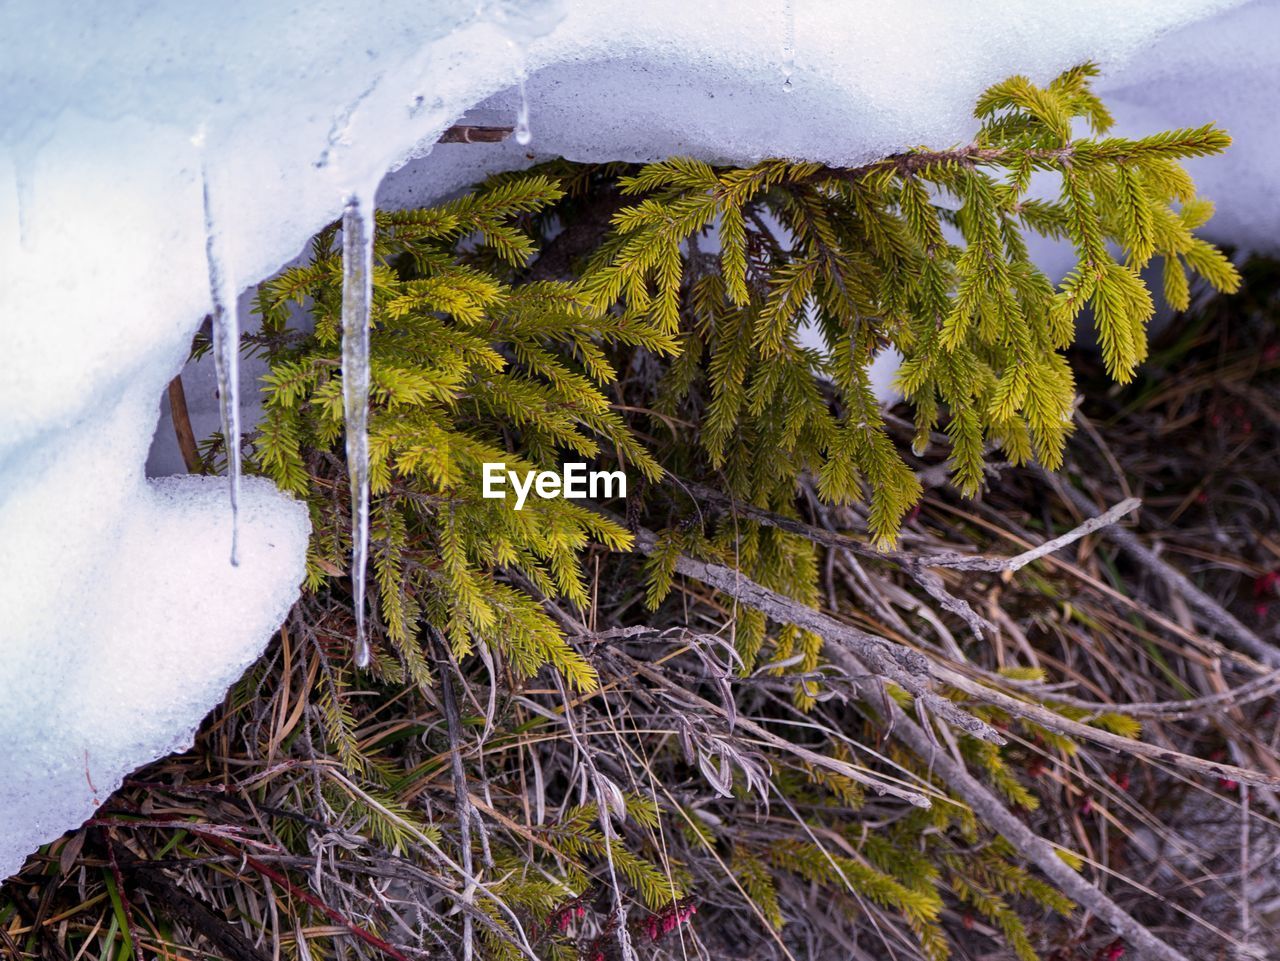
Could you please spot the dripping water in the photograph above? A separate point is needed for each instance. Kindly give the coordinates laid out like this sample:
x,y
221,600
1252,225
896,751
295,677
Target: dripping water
x,y
357,295
523,134
788,43
23,183
226,358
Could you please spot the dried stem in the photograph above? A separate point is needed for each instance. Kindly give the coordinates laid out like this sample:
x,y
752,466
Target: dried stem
x,y
182,426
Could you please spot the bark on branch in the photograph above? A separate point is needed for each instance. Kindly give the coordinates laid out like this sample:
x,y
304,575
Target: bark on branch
x,y
909,669
886,660
471,133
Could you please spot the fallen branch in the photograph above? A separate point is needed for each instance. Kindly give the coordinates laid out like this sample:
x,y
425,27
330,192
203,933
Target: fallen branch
x,y
966,562
914,564
909,669
990,810
1054,721
915,672
1263,686
995,815
948,559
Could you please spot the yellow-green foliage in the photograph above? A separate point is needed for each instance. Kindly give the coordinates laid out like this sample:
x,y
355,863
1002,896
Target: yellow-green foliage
x,y
650,351
923,252
466,369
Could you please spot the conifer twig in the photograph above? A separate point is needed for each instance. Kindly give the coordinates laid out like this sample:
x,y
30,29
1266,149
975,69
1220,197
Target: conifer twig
x,y
1188,142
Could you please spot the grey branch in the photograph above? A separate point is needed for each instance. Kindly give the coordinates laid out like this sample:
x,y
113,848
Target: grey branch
x,y
948,559
892,661
909,669
918,673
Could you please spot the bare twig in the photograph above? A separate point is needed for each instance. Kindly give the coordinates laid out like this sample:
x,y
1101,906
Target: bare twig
x,y
472,133
948,559
182,426
993,813
984,803
462,795
905,667
916,673
968,562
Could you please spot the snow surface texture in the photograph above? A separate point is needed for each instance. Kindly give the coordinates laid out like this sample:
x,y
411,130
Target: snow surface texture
x,y
123,621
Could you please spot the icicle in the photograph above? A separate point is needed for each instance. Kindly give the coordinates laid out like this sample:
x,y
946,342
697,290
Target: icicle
x,y
226,358
523,134
788,43
357,297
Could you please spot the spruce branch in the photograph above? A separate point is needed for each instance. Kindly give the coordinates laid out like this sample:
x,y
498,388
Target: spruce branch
x,y
1188,142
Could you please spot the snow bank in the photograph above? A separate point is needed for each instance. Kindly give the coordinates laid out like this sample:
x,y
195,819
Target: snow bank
x,y
116,661
115,124
1225,71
